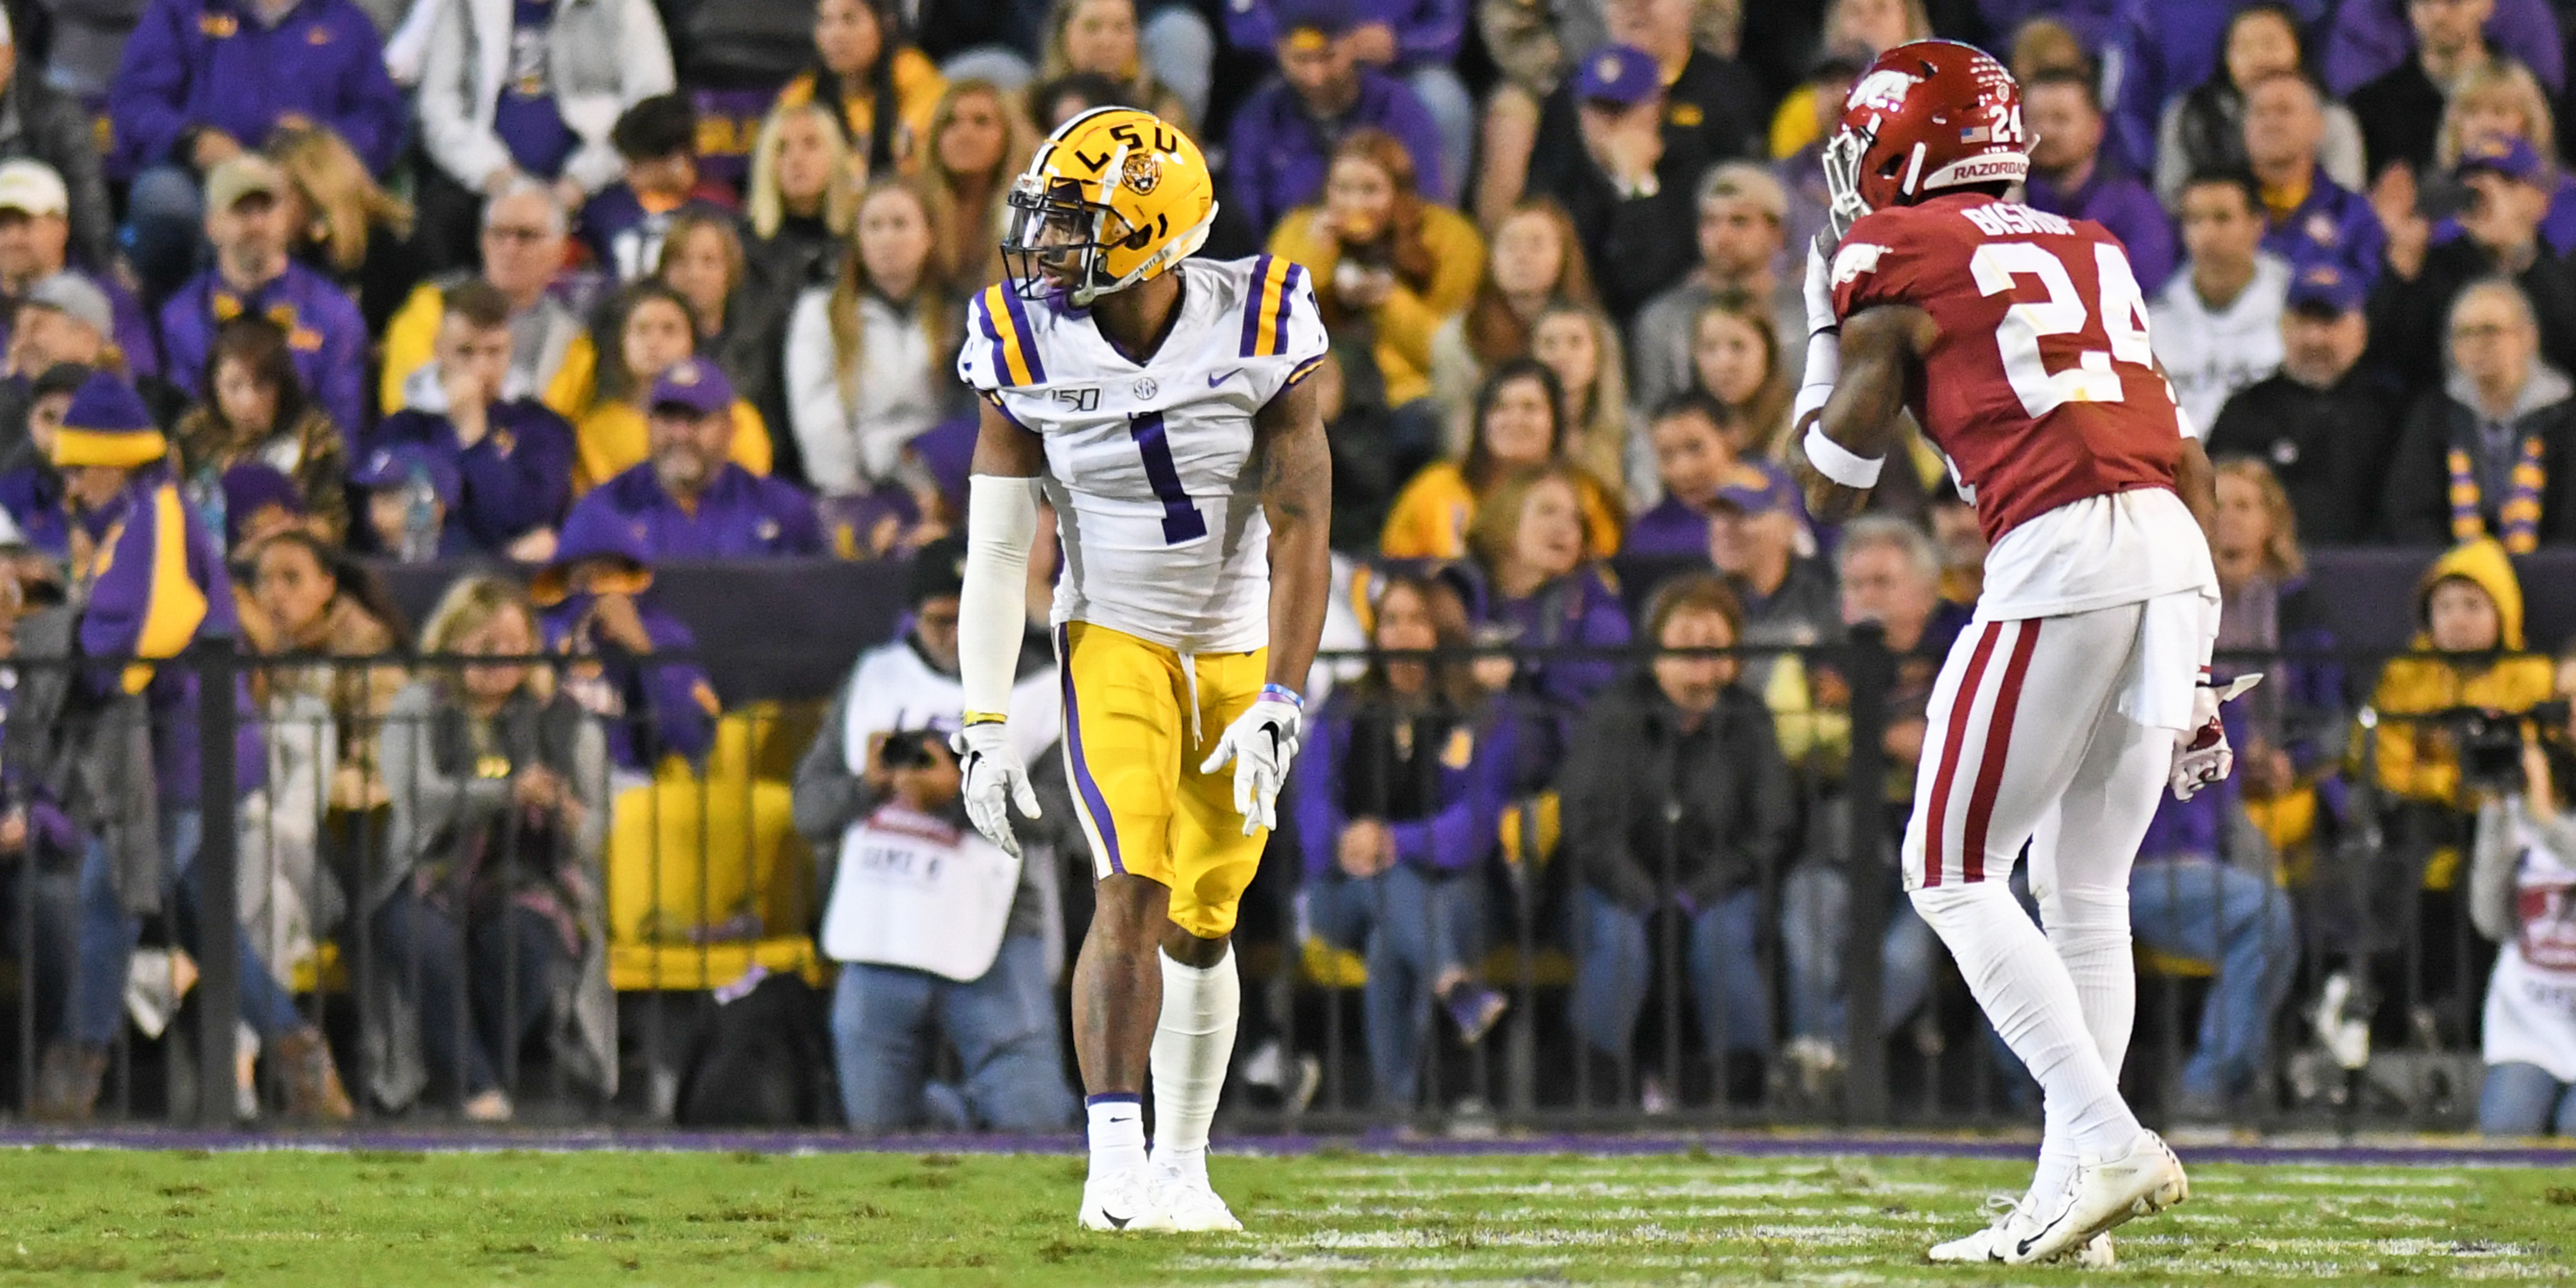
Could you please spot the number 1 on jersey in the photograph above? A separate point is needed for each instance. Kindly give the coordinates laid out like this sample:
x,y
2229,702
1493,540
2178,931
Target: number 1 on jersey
x,y
1181,520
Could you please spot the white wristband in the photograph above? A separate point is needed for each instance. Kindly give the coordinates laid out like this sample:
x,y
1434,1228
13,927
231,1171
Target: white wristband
x,y
1824,366
1840,463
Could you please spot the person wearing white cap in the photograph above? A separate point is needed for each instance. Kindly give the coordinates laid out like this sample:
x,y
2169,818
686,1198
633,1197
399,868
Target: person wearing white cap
x,y
35,236
39,123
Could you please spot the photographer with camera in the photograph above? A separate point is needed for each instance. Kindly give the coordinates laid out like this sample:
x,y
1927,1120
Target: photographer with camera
x,y
2522,894
2450,717
933,924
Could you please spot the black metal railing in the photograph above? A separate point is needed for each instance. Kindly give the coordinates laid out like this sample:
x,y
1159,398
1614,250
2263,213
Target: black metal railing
x,y
701,886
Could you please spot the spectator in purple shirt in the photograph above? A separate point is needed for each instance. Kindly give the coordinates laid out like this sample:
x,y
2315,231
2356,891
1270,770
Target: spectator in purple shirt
x,y
2311,219
1414,41
1698,469
1397,810
247,219
598,607
2370,37
1284,135
1528,542
513,456
2071,175
202,81
690,500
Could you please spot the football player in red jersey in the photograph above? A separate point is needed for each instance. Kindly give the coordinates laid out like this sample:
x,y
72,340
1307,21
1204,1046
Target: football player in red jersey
x,y
2018,341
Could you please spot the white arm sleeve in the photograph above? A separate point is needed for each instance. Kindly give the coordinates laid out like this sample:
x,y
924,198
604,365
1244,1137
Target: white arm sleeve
x,y
1824,364
992,608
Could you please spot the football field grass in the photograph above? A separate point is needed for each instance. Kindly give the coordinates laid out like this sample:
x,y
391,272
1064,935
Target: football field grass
x,y
97,1216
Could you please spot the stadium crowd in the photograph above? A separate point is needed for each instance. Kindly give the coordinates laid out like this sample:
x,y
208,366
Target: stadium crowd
x,y
580,287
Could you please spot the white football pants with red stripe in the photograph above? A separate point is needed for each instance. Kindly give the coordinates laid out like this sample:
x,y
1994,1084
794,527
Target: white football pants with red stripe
x,y
2026,739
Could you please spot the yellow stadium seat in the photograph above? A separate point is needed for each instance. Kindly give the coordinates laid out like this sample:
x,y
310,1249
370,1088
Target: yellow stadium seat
x,y
1327,966
2153,962
684,854
1550,816
321,972
1548,967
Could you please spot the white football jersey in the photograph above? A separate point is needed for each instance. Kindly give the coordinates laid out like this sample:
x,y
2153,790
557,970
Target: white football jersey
x,y
1150,467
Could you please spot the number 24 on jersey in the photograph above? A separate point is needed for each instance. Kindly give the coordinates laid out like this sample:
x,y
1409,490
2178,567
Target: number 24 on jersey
x,y
2091,378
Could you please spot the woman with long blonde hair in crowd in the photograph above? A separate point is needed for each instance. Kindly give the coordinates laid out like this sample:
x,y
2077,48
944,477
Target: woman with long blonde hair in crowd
x,y
868,362
2502,99
1581,345
348,226
979,142
800,201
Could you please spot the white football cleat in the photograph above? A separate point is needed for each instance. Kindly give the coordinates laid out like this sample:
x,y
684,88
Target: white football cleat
x,y
2144,1180
1988,1243
1129,1201
1192,1205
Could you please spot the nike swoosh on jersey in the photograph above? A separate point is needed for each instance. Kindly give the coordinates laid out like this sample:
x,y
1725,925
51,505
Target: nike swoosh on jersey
x,y
1222,376
1115,1222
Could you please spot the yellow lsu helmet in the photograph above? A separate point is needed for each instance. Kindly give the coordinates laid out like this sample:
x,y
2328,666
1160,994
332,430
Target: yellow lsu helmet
x,y
1114,197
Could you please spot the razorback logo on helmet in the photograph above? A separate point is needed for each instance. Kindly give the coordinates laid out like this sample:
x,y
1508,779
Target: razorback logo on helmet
x,y
1854,259
1883,90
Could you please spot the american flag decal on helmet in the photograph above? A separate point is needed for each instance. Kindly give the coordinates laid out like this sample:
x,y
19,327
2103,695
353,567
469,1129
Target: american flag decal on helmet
x,y
1975,134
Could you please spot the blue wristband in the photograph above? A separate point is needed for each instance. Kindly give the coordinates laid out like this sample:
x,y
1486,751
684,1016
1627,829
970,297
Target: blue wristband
x,y
1284,694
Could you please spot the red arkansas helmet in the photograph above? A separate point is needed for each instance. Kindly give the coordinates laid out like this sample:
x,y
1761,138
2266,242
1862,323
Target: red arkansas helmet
x,y
1928,115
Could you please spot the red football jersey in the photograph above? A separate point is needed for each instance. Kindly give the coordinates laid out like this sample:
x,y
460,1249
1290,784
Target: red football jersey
x,y
2039,387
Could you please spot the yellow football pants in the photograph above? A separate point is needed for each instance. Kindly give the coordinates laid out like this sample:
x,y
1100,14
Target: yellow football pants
x,y
1138,720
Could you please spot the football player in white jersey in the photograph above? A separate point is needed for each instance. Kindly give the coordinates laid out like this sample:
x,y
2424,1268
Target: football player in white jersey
x,y
1158,402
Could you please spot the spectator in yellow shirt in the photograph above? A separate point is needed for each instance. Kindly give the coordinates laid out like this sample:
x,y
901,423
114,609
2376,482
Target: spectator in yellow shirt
x,y
1389,269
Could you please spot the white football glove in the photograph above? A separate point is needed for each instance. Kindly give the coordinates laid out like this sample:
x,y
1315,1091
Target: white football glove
x,y
1261,742
1818,288
2201,754
995,780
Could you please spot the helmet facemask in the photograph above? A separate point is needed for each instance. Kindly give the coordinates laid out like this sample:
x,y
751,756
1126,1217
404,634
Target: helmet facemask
x,y
1842,159
1052,226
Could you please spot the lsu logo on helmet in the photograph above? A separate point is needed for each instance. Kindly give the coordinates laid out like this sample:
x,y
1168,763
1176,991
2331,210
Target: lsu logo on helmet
x,y
1115,196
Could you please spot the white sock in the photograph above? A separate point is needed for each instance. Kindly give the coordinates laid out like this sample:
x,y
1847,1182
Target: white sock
x,y
1193,1041
1117,1132
2030,999
2089,928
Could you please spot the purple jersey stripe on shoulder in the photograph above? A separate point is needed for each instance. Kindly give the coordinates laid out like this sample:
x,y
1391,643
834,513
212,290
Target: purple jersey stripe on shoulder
x,y
1028,335
1252,307
1287,292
